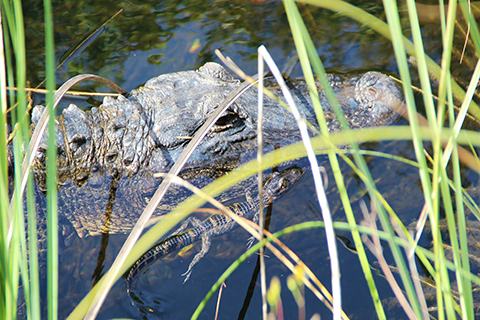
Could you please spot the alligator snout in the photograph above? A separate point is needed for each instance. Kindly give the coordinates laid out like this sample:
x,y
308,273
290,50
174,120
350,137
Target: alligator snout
x,y
382,95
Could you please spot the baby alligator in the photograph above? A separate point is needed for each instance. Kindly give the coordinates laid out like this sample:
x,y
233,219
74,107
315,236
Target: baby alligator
x,y
276,184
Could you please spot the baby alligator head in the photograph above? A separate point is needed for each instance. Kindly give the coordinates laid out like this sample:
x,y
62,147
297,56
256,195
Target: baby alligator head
x,y
278,182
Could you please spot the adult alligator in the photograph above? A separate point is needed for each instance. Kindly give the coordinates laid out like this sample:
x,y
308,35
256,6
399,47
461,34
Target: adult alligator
x,y
147,132
150,128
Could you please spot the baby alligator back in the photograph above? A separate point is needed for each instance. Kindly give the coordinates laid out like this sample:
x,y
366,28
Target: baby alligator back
x,y
218,224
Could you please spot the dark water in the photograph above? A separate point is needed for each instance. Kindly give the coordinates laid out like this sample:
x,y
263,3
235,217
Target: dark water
x,y
152,37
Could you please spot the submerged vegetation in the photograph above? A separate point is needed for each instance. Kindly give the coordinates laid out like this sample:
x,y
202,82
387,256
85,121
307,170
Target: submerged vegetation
x,y
440,161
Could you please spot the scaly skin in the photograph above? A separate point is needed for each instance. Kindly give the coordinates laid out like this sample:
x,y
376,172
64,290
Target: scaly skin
x,y
149,129
276,184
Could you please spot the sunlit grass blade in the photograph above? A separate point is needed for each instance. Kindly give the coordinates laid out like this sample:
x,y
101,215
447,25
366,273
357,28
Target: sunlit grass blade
x,y
457,126
3,179
322,199
302,124
263,276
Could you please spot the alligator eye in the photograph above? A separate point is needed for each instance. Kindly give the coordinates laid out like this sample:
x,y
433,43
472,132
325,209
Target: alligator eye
x,y
225,122
226,119
229,119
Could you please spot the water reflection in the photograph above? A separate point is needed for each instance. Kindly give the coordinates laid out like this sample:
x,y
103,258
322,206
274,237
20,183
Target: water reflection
x,y
162,34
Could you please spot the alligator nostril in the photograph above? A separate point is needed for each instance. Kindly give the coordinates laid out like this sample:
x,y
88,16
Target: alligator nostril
x,y
372,95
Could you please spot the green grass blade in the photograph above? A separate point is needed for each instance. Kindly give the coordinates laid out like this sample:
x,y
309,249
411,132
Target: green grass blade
x,y
369,182
14,220
475,33
3,175
435,125
52,219
465,285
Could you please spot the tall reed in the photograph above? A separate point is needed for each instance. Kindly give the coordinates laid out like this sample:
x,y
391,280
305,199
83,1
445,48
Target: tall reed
x,y
438,187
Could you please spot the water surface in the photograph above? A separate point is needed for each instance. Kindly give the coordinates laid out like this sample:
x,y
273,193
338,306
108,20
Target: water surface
x,y
149,38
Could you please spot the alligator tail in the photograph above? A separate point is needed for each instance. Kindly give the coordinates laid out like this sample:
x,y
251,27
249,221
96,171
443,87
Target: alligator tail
x,y
161,249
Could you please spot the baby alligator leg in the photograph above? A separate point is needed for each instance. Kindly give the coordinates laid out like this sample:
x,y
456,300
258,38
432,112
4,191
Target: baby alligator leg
x,y
193,221
206,244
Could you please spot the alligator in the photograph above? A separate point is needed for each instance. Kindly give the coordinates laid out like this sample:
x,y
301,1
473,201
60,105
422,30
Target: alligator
x,y
216,225
146,132
149,129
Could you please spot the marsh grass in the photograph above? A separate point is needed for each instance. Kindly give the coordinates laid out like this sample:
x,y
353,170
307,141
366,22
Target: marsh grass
x,y
436,184
13,249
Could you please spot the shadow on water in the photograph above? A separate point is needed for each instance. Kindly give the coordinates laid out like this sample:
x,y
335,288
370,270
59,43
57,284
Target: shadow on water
x,y
153,37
